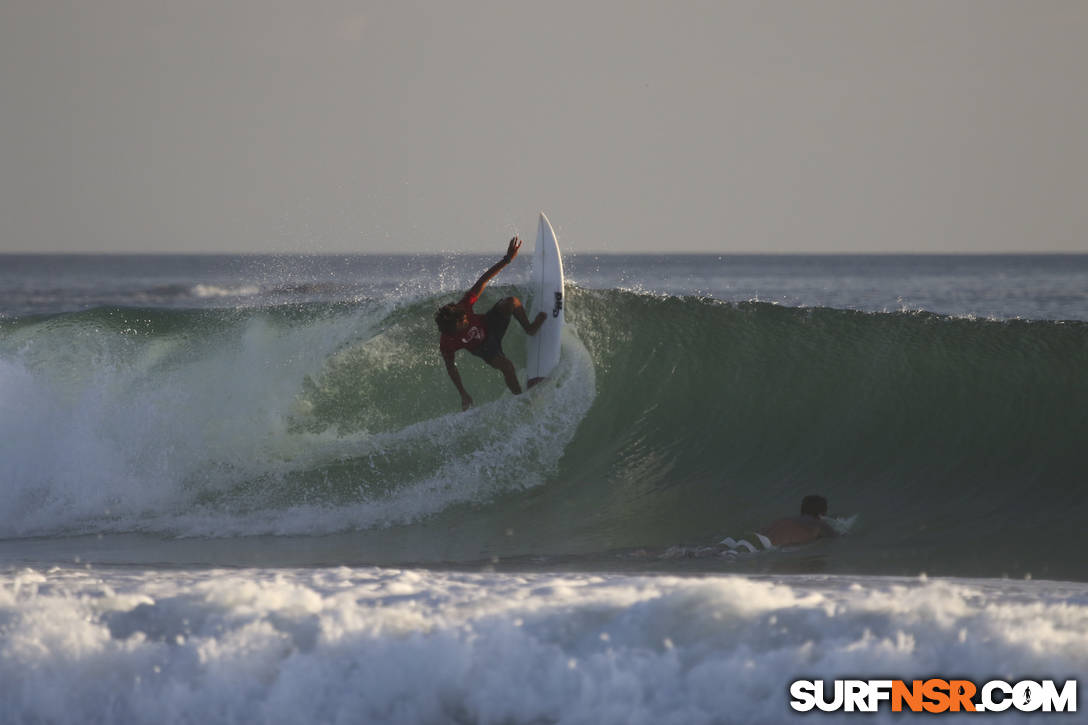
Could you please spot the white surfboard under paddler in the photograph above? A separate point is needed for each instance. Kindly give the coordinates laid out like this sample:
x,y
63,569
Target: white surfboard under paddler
x,y
546,288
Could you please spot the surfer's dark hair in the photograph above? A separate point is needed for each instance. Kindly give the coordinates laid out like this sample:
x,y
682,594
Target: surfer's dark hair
x,y
813,506
447,317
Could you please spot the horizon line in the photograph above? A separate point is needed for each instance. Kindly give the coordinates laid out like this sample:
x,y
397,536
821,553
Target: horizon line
x,y
569,252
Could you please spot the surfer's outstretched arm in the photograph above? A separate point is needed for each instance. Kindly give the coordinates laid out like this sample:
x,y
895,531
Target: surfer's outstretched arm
x,y
511,252
455,376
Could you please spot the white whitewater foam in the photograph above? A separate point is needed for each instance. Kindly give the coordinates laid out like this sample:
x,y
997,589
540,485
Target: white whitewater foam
x,y
393,646
508,444
116,434
98,430
210,290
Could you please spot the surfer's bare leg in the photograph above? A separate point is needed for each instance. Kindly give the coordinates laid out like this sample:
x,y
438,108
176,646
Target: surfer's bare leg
x,y
502,363
535,326
513,306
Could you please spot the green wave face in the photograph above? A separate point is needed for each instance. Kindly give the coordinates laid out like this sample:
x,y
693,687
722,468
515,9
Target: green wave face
x,y
670,420
956,437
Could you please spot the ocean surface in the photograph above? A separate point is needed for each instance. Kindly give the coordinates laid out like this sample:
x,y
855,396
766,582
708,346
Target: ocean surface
x,y
241,489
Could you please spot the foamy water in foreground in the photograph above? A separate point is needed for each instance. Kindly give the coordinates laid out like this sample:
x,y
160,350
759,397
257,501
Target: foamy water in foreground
x,y
425,646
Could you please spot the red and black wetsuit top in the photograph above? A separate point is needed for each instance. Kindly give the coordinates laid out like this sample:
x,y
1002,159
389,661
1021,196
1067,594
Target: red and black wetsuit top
x,y
472,336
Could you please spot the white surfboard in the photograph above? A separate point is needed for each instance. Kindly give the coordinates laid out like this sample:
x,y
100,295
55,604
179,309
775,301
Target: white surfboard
x,y
546,285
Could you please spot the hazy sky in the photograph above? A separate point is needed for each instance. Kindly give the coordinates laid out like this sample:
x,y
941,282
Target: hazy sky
x,y
808,126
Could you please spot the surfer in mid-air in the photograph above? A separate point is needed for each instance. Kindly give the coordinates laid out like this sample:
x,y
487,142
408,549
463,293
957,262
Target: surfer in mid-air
x,y
482,335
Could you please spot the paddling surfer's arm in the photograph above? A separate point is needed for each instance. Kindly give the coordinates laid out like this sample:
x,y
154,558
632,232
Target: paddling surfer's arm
x,y
511,252
455,376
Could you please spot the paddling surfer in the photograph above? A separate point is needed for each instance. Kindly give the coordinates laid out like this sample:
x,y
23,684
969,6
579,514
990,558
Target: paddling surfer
x,y
809,526
482,335
790,531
